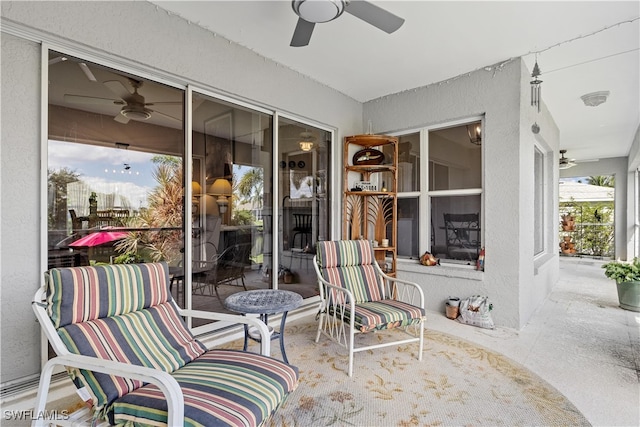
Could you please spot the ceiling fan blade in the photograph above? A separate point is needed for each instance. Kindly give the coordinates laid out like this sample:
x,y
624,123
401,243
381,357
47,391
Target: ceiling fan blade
x,y
121,119
87,71
302,33
118,88
166,116
57,59
163,103
374,15
79,99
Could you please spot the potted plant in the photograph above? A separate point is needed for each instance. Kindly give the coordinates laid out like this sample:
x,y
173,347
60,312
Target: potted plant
x,y
627,277
568,222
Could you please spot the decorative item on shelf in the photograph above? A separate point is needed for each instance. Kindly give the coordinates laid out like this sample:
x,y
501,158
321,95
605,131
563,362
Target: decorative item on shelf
x,y
384,188
368,156
568,222
429,260
385,243
365,186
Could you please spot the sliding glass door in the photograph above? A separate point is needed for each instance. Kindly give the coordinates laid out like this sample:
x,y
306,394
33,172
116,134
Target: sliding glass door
x,y
123,177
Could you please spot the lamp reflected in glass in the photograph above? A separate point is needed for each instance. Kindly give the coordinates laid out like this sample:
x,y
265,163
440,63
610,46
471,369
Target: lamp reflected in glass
x,y
196,193
222,189
306,141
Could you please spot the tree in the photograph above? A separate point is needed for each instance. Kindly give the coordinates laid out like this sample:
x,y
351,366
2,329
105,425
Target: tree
x,y
602,180
251,187
57,181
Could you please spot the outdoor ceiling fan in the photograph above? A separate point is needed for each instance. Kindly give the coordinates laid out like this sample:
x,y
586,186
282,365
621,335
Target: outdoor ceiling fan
x,y
311,12
133,104
564,162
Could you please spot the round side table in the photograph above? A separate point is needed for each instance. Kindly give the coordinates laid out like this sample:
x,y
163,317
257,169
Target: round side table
x,y
264,302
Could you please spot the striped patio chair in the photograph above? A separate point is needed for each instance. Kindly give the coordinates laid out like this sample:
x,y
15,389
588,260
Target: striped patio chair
x,y
357,297
121,337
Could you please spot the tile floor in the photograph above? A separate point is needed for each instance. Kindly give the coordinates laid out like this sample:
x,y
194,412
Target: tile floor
x,y
579,341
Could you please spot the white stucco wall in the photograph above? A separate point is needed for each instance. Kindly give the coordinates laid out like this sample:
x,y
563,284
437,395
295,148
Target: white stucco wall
x,y
141,37
501,95
20,209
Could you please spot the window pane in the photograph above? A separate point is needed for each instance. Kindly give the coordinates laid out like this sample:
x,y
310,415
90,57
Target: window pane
x,y
232,158
538,202
409,163
408,230
456,228
303,169
455,162
112,165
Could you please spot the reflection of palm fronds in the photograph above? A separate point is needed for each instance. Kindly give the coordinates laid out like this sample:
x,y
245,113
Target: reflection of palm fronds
x,y
379,215
353,210
165,210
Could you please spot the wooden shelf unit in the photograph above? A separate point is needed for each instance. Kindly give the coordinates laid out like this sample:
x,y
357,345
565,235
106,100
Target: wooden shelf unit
x,y
372,215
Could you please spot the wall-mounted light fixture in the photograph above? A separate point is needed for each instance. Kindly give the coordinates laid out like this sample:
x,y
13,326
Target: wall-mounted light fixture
x,y
222,189
475,133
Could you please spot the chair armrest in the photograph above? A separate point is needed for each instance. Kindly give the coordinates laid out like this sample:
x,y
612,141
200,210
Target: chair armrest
x,y
411,288
265,337
165,382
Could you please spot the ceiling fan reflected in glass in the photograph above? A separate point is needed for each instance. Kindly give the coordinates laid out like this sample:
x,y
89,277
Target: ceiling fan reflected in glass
x,y
134,106
312,12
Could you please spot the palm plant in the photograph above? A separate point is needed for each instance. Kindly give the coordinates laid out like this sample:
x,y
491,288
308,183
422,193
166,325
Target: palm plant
x,y
251,187
165,210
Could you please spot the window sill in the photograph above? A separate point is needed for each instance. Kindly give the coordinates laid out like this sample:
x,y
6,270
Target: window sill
x,y
540,261
445,270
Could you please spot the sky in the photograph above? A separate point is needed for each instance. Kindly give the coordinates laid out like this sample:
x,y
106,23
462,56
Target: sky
x,y
103,169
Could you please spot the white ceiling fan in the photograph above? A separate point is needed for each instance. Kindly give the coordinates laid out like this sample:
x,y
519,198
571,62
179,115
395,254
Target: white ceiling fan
x,y
566,163
311,12
133,104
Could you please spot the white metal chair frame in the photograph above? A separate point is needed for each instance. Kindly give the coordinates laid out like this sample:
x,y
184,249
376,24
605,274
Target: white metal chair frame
x,y
165,382
335,305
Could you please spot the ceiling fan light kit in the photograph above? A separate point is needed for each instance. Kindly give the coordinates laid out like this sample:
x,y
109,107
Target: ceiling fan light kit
x,y
318,11
134,112
312,12
594,99
564,162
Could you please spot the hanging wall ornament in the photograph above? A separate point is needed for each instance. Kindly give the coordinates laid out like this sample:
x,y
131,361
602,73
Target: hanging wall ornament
x,y
536,89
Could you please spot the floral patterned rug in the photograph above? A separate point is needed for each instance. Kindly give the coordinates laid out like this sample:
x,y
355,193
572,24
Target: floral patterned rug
x,y
457,383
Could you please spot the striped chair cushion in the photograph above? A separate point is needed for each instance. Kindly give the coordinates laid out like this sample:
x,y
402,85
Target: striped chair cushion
x,y
79,294
221,388
385,314
119,312
155,337
350,264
